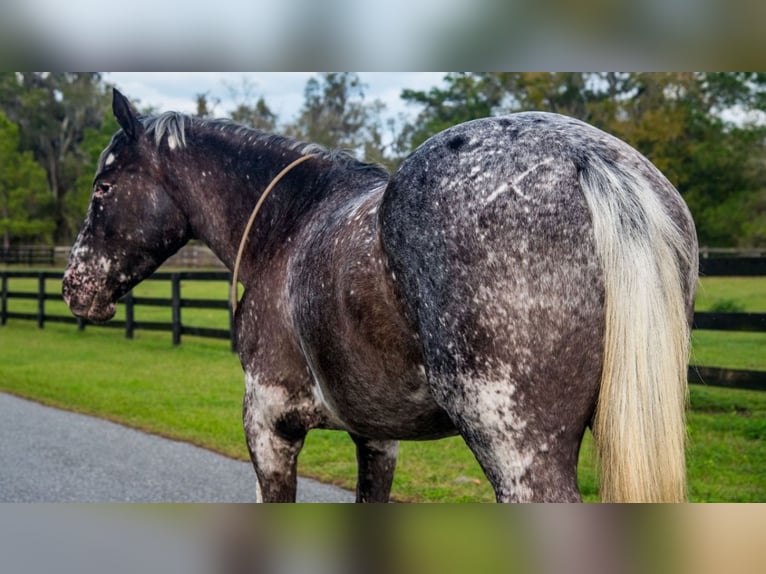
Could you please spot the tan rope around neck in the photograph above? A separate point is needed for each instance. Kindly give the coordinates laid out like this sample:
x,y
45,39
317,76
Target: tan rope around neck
x,y
249,225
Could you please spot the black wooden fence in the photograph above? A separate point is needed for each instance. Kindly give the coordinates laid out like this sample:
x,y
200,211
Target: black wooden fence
x,y
715,321
130,325
27,255
738,267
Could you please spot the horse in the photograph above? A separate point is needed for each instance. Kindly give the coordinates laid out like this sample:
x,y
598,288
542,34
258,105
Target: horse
x,y
517,280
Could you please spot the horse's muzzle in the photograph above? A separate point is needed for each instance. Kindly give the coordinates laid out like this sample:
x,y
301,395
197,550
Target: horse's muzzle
x,y
85,299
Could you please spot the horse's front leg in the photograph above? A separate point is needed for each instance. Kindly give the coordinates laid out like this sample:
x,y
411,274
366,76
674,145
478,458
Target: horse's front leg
x,y
376,461
274,436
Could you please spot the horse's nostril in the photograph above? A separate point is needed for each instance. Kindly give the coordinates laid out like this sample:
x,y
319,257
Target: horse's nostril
x,y
74,291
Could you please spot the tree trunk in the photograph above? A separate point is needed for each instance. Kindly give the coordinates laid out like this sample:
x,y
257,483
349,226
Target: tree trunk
x,y
6,231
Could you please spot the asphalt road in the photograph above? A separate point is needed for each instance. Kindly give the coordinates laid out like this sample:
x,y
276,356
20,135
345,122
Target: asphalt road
x,y
49,455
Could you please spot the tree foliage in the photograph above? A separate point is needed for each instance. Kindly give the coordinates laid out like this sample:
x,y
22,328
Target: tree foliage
x,y
335,113
705,131
53,111
250,109
24,203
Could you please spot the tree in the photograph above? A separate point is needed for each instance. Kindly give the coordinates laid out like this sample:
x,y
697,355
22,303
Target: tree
x,y
204,105
53,111
676,119
23,199
257,115
251,110
336,115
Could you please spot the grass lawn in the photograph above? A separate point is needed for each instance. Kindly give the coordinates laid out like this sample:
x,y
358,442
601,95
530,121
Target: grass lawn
x,y
193,393
748,294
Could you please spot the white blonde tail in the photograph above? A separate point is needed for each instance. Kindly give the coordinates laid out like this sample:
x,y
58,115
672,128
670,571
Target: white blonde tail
x,y
639,424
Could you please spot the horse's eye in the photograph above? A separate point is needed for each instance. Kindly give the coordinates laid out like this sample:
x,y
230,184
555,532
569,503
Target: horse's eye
x,y
102,188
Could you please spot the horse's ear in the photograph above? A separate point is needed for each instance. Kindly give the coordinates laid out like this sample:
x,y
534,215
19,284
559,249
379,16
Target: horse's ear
x,y
126,116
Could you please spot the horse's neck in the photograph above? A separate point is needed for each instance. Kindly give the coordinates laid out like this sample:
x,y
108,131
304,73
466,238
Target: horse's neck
x,y
218,198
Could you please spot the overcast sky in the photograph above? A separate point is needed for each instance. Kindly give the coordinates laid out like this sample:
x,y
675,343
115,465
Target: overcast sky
x,y
283,91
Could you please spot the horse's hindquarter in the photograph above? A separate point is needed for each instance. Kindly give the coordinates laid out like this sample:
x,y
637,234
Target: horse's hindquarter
x,y
364,355
491,240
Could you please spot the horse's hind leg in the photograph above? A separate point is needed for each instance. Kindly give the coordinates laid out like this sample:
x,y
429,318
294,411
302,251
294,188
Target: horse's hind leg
x,y
526,456
376,461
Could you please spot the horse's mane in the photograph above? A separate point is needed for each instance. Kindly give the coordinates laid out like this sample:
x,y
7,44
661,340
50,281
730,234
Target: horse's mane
x,y
174,126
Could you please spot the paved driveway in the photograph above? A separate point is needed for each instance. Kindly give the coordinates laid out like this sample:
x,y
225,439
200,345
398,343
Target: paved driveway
x,y
49,455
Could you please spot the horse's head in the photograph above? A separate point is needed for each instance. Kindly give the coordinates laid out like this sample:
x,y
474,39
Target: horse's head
x,y
132,224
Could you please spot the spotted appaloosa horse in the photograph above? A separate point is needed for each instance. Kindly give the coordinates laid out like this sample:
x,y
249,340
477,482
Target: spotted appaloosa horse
x,y
517,280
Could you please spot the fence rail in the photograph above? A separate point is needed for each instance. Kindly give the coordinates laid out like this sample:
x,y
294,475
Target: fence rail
x,y
706,251
130,325
733,267
27,255
749,322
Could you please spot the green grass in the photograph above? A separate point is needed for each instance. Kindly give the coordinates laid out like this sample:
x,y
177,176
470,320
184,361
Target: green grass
x,y
726,457
193,393
749,293
727,349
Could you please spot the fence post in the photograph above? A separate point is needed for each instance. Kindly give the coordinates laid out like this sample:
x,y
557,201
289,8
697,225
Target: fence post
x,y
175,281
41,300
129,316
4,300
